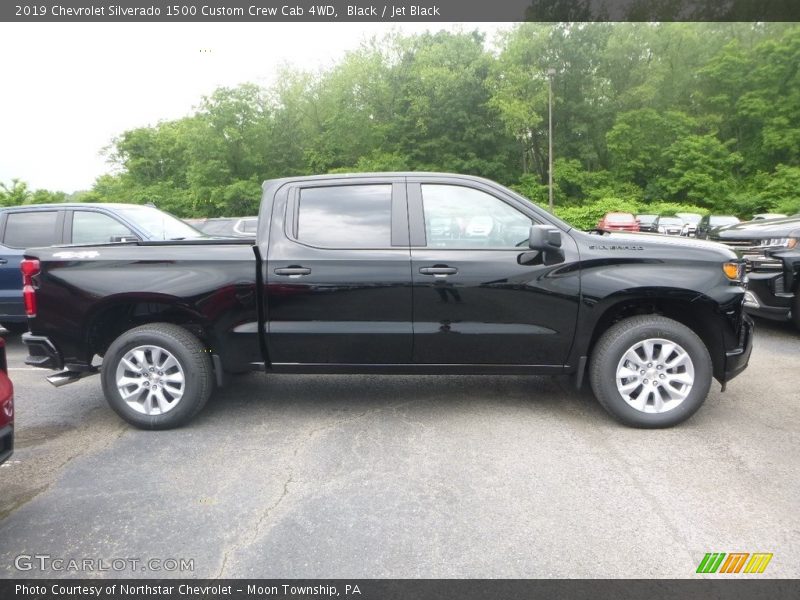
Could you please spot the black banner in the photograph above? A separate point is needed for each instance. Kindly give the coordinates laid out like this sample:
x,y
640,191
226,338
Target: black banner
x,y
399,10
399,589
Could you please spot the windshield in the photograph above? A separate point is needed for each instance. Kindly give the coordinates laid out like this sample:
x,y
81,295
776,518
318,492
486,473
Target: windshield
x,y
724,220
159,225
670,221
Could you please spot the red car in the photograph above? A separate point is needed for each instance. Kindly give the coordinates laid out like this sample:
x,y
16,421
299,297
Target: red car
x,y
6,408
618,221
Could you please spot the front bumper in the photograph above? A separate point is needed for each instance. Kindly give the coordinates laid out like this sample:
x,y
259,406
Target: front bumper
x,y
736,360
41,352
767,296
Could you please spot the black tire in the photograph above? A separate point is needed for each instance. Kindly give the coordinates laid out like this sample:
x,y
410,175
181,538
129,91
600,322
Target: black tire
x,y
190,354
15,328
622,336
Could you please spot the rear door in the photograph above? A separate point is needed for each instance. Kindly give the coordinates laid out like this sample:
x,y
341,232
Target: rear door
x,y
338,275
20,230
481,296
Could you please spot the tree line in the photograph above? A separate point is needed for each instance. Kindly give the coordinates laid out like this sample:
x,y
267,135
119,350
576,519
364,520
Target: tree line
x,y
659,115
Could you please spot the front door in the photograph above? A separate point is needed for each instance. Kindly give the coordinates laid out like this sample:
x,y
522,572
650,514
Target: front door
x,y
481,296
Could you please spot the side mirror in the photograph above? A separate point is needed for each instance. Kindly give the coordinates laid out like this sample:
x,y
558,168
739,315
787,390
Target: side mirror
x,y
544,238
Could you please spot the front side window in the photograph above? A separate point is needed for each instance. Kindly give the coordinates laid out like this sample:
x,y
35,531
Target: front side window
x,y
97,228
346,216
461,217
31,229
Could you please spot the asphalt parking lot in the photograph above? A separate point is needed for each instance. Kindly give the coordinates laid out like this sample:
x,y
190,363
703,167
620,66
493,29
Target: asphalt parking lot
x,y
378,476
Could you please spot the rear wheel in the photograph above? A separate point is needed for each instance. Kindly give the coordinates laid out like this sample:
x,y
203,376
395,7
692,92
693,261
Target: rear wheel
x,y
650,371
157,376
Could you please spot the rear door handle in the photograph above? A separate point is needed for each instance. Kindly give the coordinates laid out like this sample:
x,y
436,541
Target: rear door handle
x,y
293,271
3,261
438,271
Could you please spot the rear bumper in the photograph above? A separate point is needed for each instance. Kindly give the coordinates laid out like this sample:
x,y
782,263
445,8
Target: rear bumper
x,y
41,352
736,360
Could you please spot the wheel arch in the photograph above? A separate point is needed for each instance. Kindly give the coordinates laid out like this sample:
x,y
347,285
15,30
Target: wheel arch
x,y
118,314
696,311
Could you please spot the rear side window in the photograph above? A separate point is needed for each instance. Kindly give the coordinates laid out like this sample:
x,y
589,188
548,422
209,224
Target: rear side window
x,y
31,229
346,216
97,228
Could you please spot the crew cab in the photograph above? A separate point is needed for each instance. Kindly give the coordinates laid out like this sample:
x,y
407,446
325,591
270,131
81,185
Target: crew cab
x,y
771,249
392,273
70,223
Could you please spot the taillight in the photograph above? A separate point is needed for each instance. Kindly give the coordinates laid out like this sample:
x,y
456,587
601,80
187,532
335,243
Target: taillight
x,y
29,268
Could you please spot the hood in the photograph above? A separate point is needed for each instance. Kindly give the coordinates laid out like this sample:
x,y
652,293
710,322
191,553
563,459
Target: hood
x,y
757,230
656,242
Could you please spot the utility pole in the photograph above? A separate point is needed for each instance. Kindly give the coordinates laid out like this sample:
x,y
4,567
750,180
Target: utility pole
x,y
550,73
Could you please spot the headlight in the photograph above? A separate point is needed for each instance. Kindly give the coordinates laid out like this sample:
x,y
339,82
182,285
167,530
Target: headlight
x,y
734,270
786,242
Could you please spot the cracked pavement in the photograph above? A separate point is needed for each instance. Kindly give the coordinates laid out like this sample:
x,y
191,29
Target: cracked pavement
x,y
401,476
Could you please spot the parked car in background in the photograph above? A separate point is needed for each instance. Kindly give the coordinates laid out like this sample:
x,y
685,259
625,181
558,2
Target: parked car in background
x,y
690,221
618,221
669,225
771,249
768,216
646,222
709,222
238,227
6,408
72,223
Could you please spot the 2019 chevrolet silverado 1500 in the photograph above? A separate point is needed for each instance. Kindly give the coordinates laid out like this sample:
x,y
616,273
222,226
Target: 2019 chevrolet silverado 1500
x,y
392,273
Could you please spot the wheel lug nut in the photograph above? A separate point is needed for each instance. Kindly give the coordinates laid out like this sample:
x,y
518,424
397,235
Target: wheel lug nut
x,y
645,380
641,372
661,376
649,365
659,367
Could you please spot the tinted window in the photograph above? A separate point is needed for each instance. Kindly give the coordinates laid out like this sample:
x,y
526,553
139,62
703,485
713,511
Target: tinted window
x,y
96,228
30,229
347,216
461,217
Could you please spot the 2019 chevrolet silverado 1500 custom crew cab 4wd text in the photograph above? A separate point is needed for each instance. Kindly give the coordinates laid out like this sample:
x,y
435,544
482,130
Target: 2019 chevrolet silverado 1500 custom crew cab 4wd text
x,y
392,273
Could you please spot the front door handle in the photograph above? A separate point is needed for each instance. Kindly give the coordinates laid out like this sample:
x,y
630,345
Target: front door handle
x,y
438,271
3,261
293,271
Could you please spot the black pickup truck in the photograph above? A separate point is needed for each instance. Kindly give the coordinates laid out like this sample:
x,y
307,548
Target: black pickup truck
x,y
392,273
771,249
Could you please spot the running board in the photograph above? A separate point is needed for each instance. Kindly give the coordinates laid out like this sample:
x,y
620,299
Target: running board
x,y
65,377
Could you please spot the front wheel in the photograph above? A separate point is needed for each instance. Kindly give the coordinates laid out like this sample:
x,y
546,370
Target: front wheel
x,y
157,376
650,371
